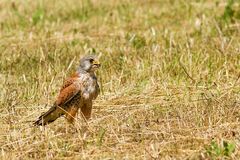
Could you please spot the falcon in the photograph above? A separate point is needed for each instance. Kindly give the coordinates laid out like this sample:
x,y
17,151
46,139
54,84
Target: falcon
x,y
77,92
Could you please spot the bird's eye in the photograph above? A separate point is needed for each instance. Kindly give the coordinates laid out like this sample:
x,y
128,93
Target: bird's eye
x,y
91,60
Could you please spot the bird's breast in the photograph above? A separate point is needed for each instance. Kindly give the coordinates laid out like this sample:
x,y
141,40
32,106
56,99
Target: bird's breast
x,y
89,87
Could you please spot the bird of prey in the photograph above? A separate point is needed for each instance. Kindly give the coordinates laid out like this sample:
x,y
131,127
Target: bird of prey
x,y
78,91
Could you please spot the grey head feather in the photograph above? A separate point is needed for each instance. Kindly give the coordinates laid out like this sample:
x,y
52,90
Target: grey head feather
x,y
86,63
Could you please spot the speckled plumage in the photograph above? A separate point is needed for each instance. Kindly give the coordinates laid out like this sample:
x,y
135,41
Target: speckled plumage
x,y
78,91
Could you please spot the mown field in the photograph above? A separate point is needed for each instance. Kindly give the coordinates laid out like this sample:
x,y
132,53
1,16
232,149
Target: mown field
x,y
170,78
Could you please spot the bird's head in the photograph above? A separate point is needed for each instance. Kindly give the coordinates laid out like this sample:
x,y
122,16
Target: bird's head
x,y
89,63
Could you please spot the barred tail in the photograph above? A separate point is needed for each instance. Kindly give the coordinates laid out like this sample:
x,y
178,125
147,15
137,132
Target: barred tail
x,y
51,115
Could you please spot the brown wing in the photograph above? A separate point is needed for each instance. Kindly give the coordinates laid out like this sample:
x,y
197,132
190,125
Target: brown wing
x,y
69,81
67,93
58,108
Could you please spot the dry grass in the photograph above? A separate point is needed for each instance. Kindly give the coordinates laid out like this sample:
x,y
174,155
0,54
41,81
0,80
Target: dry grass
x,y
170,79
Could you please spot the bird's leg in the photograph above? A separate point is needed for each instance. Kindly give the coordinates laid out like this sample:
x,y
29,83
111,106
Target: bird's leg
x,y
86,110
71,113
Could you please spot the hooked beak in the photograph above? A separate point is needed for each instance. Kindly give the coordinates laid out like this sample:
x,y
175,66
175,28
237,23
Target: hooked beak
x,y
96,63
